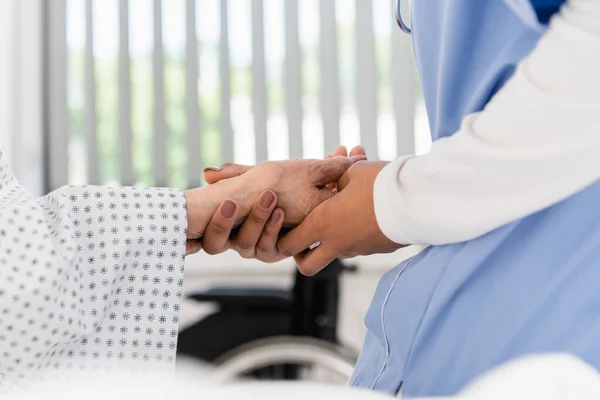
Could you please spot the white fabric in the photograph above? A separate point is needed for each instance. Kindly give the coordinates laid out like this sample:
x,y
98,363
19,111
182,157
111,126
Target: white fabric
x,y
547,377
89,276
128,387
535,143
544,377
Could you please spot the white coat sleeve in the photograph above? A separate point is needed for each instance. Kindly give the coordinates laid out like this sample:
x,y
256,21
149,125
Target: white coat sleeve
x,y
89,276
535,143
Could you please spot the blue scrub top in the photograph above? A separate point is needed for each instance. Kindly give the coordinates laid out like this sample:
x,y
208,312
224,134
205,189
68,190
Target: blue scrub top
x,y
532,286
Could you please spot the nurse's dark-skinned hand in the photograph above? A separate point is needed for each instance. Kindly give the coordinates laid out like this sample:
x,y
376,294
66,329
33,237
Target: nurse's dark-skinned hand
x,y
344,226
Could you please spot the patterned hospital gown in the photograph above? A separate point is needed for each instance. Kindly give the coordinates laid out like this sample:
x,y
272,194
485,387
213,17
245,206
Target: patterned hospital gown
x,y
89,277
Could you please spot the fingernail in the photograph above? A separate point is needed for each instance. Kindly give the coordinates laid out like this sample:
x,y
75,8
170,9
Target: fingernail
x,y
213,169
228,209
276,216
266,200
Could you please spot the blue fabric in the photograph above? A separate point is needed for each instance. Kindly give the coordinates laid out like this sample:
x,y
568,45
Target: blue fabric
x,y
453,312
546,3
546,8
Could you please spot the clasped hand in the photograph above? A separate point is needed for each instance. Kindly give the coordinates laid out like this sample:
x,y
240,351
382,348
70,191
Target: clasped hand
x,y
251,195
329,204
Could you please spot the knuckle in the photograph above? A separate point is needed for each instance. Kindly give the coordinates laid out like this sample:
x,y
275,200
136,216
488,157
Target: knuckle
x,y
286,253
264,256
264,248
247,241
340,168
193,247
270,231
272,228
315,169
219,228
247,254
257,217
306,269
211,250
244,244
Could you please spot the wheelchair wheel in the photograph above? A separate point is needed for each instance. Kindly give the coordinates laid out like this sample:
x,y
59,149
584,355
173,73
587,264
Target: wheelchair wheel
x,y
286,358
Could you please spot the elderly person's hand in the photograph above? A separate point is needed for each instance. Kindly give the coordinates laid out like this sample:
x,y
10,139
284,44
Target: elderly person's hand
x,y
257,236
299,187
230,170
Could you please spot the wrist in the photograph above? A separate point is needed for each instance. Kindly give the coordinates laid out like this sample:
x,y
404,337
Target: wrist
x,y
202,203
198,207
390,218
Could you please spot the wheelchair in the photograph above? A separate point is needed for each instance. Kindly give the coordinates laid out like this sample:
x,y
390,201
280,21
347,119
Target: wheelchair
x,y
273,334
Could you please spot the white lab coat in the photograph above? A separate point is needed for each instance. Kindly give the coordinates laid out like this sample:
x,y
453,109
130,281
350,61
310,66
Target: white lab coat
x,y
535,144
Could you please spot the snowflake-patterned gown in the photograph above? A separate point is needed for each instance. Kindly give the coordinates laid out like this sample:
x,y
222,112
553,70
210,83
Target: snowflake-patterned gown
x,y
89,276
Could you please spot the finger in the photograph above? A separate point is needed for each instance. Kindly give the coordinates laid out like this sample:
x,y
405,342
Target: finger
x,y
193,246
358,151
313,261
252,228
219,228
266,248
325,171
341,151
332,187
225,171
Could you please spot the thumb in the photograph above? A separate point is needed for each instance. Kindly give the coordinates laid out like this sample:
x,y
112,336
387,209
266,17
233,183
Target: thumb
x,y
226,171
330,170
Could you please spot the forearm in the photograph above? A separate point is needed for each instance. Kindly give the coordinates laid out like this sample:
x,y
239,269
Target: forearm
x,y
536,143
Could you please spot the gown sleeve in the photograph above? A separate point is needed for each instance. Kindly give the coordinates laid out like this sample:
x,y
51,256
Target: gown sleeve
x,y
89,277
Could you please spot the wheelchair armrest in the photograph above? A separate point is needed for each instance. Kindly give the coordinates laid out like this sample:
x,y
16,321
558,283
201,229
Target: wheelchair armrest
x,y
264,299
